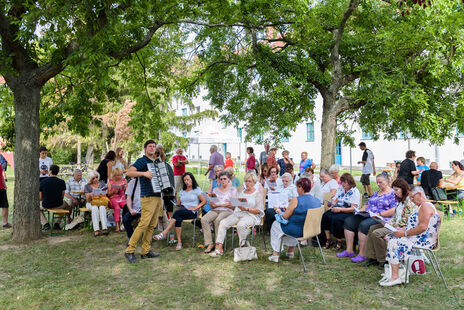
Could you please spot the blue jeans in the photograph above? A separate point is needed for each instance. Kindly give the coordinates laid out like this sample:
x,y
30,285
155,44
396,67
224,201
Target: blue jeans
x,y
127,222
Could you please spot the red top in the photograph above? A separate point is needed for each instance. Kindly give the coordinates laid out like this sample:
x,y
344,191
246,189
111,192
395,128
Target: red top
x,y
250,163
229,163
180,170
271,160
2,181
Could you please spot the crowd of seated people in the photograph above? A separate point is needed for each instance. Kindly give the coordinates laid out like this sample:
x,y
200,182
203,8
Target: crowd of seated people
x,y
402,206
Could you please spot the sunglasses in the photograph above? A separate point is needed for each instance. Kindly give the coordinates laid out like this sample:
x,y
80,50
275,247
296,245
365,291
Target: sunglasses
x,y
223,179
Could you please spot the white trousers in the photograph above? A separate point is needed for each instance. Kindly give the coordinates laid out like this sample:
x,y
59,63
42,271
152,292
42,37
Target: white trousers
x,y
242,220
98,215
276,236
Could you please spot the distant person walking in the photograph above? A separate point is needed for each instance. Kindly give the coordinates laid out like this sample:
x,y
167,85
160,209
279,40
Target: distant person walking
x,y
179,161
263,156
251,161
284,161
408,168
214,160
306,162
44,163
368,167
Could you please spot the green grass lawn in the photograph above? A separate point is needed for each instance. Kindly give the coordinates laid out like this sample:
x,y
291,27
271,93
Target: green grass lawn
x,y
78,271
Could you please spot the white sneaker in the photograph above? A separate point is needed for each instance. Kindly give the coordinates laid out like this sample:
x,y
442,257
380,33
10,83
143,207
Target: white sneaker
x,y
273,258
391,283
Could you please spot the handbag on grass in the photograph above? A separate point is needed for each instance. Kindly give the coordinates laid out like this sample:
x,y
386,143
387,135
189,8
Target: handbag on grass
x,y
245,253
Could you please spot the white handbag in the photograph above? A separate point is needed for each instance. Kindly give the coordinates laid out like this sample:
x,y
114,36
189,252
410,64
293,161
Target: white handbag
x,y
245,253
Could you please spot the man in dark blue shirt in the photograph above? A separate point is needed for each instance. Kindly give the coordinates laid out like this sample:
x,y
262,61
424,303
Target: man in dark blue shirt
x,y
150,201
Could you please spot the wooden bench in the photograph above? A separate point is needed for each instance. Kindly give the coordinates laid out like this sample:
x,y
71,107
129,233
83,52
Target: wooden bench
x,y
57,214
448,203
86,218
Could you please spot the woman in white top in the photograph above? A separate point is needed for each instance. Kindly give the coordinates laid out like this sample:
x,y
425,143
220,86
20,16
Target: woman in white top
x,y
328,184
220,208
120,162
286,188
243,217
347,197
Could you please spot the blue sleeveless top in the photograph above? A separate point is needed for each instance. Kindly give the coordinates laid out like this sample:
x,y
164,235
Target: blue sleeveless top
x,y
295,224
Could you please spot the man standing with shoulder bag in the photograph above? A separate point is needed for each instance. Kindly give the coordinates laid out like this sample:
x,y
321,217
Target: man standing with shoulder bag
x,y
151,205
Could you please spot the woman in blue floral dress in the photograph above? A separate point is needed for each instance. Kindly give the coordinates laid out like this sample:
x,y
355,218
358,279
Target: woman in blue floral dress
x,y
421,231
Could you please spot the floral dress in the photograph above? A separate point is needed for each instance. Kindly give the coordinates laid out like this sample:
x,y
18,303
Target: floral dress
x,y
399,248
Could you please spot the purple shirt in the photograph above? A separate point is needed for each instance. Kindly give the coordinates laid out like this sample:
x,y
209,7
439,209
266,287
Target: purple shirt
x,y
378,204
215,159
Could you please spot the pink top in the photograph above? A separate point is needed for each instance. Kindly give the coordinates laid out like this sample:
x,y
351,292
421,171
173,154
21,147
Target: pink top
x,y
224,197
121,185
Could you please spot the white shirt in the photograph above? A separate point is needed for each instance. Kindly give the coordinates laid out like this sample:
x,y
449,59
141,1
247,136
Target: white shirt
x,y
289,190
136,203
367,167
316,190
353,196
327,187
44,164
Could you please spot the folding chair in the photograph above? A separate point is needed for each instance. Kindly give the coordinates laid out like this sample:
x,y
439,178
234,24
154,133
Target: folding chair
x,y
252,228
312,228
327,197
194,221
431,255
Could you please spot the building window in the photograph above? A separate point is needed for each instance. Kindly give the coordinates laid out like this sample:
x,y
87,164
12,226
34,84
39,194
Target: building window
x,y
198,109
184,134
184,112
459,134
284,139
310,132
365,135
404,135
239,133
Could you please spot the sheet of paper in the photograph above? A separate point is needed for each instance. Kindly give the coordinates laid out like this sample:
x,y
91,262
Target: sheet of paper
x,y
389,227
276,199
242,202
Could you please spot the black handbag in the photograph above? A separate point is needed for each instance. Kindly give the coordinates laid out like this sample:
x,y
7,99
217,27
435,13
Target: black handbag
x,y
438,194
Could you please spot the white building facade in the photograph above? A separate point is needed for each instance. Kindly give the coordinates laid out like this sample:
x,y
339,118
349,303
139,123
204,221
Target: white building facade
x,y
307,137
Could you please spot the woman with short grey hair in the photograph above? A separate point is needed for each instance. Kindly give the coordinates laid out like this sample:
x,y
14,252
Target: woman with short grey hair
x,y
334,171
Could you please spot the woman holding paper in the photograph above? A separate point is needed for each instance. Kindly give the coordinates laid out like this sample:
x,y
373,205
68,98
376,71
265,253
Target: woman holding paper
x,y
220,208
288,190
342,207
244,216
189,203
95,194
361,221
421,231
376,246
291,222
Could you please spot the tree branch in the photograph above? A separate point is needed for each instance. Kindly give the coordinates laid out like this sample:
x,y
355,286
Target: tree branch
x,y
335,52
343,104
260,25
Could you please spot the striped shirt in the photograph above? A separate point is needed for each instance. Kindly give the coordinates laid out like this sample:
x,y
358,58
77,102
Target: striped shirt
x,y
146,190
73,186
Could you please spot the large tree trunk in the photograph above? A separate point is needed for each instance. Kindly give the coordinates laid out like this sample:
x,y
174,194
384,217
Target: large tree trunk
x,y
329,134
26,223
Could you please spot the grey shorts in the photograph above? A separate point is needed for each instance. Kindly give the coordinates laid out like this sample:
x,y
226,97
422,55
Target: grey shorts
x,y
365,179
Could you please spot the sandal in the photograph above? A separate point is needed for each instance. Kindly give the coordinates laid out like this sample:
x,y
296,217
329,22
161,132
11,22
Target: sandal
x,y
338,245
328,244
105,232
216,253
158,237
291,255
179,247
274,259
96,233
209,249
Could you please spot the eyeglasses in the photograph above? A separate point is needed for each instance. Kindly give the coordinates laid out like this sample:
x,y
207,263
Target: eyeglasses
x,y
223,179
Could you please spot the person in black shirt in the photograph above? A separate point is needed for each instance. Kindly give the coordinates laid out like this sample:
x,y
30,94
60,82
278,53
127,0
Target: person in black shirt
x,y
52,191
408,168
431,179
105,168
